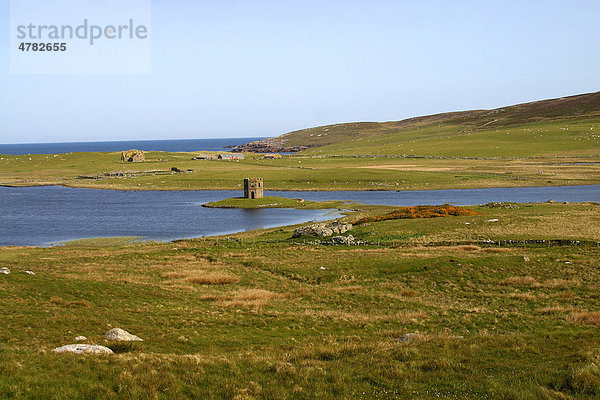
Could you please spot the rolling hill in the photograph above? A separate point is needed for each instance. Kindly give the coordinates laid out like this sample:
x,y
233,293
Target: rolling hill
x,y
390,137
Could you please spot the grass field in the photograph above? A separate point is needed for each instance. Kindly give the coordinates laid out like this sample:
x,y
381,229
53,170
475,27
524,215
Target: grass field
x,y
436,152
261,315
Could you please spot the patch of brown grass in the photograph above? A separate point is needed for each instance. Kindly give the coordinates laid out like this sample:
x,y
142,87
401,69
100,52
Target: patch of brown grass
x,y
585,317
560,283
408,293
496,250
521,281
173,275
249,298
469,248
214,278
522,296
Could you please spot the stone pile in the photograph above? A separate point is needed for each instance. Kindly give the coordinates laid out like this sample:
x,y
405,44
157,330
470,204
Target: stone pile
x,y
335,227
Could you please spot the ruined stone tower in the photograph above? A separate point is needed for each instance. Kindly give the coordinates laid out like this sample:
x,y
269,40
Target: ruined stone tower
x,y
253,188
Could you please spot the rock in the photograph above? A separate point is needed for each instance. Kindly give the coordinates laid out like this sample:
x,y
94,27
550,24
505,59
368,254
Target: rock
x,y
30,272
80,338
525,258
83,349
492,220
4,271
122,335
347,240
408,337
322,229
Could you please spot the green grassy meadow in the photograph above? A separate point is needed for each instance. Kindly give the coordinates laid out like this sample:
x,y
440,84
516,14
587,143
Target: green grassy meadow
x,y
571,159
261,315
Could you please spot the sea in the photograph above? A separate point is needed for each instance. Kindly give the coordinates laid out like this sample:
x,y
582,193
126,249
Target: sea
x,y
175,145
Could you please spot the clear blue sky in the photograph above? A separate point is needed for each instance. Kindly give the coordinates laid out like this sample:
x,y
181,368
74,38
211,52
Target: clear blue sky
x,y
224,68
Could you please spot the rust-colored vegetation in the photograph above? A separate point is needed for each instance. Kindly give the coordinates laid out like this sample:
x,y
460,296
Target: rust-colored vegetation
x,y
445,210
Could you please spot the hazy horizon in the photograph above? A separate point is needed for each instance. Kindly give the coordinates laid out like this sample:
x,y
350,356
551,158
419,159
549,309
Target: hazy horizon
x,y
233,69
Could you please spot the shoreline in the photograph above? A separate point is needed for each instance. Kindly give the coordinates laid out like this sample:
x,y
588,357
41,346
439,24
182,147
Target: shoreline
x,y
292,190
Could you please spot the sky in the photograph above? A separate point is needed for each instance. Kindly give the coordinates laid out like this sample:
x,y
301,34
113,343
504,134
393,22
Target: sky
x,y
224,68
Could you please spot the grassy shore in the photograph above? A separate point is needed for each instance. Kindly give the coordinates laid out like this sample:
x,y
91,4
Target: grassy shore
x,y
273,202
261,315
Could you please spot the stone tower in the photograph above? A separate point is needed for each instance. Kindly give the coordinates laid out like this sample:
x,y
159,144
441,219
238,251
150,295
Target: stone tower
x,y
253,188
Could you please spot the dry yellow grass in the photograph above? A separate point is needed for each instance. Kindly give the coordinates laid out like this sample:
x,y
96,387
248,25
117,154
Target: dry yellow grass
x,y
521,281
554,310
522,296
408,293
249,298
496,250
560,283
585,317
214,278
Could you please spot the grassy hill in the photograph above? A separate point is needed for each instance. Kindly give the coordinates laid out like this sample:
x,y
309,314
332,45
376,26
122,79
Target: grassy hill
x,y
565,110
550,142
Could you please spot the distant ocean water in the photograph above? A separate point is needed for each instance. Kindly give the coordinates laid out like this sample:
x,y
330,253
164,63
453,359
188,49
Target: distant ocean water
x,y
146,145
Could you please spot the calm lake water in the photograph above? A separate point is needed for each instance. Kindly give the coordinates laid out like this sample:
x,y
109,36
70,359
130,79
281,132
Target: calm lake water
x,y
38,216
187,145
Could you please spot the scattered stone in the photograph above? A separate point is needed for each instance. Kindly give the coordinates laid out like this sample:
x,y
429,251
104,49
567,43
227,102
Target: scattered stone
x,y
347,240
408,337
504,204
83,349
30,272
4,271
467,223
122,335
322,229
492,220
322,268
525,258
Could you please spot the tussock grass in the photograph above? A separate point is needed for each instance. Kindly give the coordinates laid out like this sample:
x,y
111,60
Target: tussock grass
x,y
249,298
585,317
522,296
520,281
496,250
408,293
561,283
554,310
214,278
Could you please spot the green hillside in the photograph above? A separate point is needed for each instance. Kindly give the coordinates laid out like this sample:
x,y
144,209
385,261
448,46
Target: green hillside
x,y
564,124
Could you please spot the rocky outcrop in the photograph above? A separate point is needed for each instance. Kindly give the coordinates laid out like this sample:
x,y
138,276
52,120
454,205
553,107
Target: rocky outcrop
x,y
121,335
83,349
271,145
324,230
